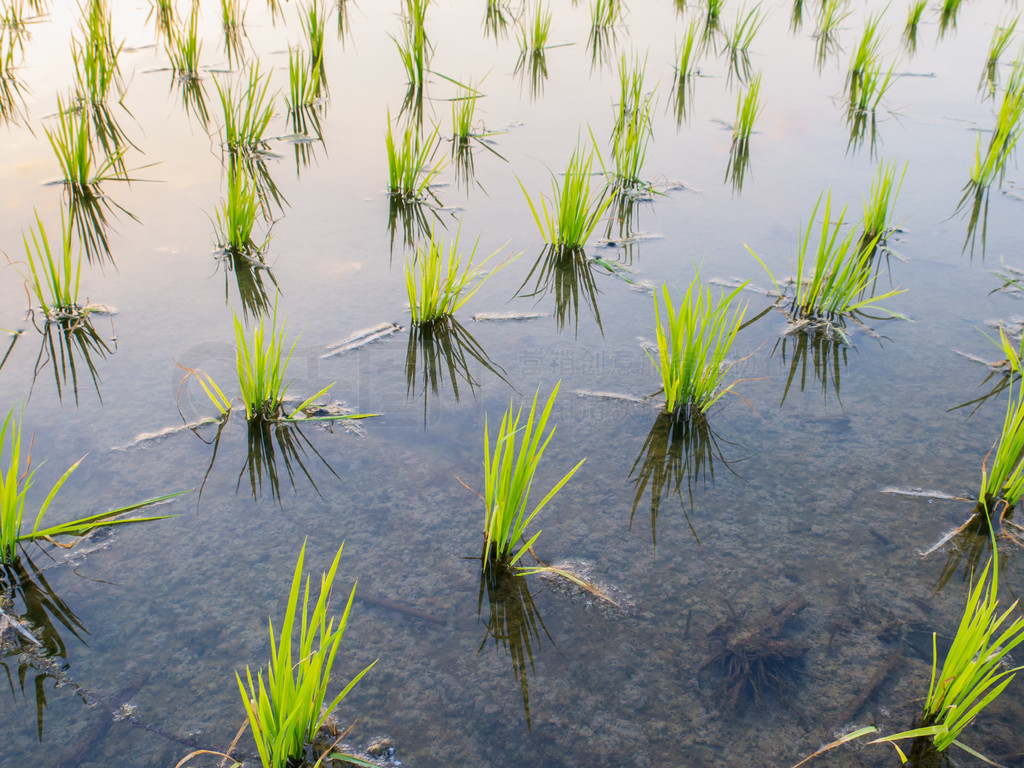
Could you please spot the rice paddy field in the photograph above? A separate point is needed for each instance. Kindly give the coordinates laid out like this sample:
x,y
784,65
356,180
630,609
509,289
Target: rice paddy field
x,y
760,581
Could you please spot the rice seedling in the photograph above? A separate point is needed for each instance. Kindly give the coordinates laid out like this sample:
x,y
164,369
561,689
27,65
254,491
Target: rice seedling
x,y
1001,38
314,19
72,142
947,15
95,71
415,49
533,36
232,16
823,356
605,14
17,477
344,28
831,14
1004,483
687,53
880,202
748,107
796,16
303,84
740,37
247,115
437,284
712,17
865,54
463,111
576,207
54,278
165,16
496,19
409,170
832,275
287,710
914,13
509,470
184,47
991,165
236,217
870,87
693,344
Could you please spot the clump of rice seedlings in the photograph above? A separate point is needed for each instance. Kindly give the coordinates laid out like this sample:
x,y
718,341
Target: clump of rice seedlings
x,y
16,478
184,46
436,282
533,35
914,13
165,16
415,48
880,202
796,16
463,110
692,346
748,107
247,113
314,19
73,143
1004,482
576,207
687,55
865,54
712,17
633,127
236,217
1001,38
95,70
54,278
739,38
1009,123
831,14
409,170
303,83
288,709
509,469
496,17
605,14
870,86
261,359
947,15
232,16
976,670
831,274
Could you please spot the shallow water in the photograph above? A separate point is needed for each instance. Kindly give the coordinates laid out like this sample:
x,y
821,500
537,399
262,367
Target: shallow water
x,y
166,613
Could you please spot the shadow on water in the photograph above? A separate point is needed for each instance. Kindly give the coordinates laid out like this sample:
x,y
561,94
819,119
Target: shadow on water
x,y
513,622
680,448
444,348
568,274
71,346
35,605
270,445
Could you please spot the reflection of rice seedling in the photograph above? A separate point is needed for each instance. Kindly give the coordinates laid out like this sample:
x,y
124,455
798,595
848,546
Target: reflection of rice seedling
x,y
232,16
880,202
237,214
308,132
568,274
865,55
826,355
409,171
712,17
533,37
830,16
96,70
184,46
252,291
1001,38
509,471
437,284
914,13
314,19
165,16
831,276
247,115
286,712
796,16
605,14
15,482
54,280
70,344
692,347
496,19
576,206
947,15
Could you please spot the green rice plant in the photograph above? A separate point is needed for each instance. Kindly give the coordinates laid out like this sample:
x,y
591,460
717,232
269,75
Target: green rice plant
x,y
16,478
870,87
832,275
236,217
165,16
688,52
74,145
947,15
748,107
633,125
605,13
692,346
287,709
96,70
463,110
739,38
509,470
184,47
54,278
914,13
865,54
303,84
712,17
796,16
881,199
632,95
576,207
247,115
314,19
1009,124
232,16
831,14
414,48
437,283
409,169
496,18
1004,483
533,36
1001,38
